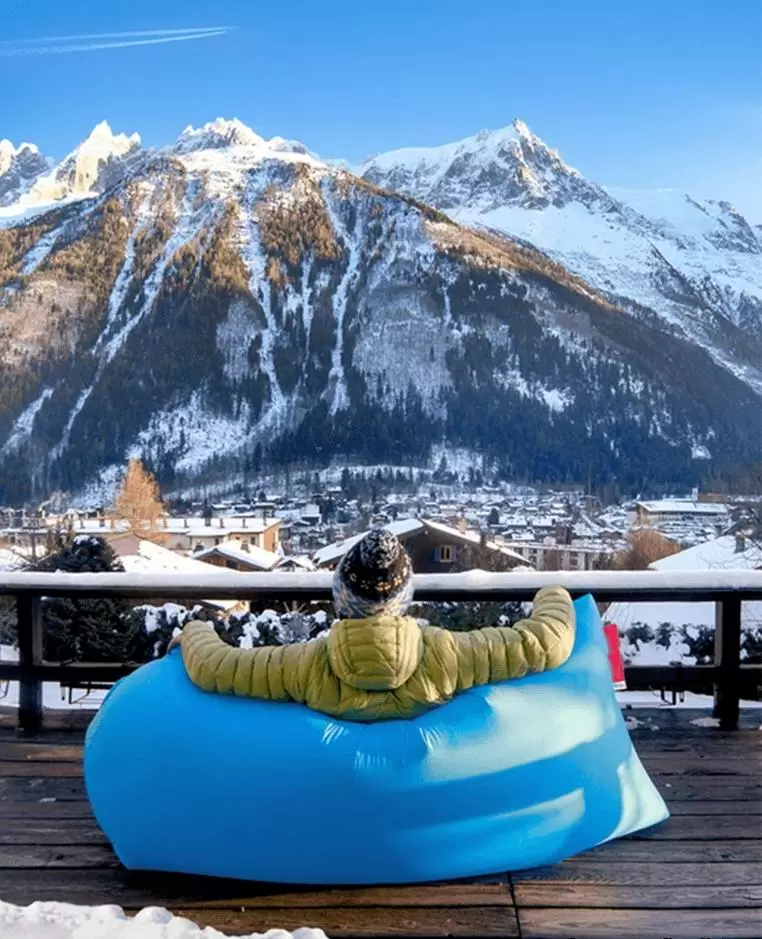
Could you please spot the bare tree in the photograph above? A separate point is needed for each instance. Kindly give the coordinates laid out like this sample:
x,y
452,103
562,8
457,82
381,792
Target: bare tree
x,y
644,547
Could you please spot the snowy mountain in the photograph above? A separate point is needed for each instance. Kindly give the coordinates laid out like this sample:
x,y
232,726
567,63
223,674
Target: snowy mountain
x,y
229,303
100,161
697,265
19,168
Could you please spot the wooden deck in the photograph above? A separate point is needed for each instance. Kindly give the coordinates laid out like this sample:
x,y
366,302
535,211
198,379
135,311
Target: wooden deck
x,y
698,875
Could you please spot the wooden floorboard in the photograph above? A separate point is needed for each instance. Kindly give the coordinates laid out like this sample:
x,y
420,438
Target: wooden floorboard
x,y
698,875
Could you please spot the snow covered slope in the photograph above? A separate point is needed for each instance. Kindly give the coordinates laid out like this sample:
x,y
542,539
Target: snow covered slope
x,y
697,265
229,302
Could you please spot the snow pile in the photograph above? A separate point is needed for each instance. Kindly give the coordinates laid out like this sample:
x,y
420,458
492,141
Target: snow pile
x,y
67,921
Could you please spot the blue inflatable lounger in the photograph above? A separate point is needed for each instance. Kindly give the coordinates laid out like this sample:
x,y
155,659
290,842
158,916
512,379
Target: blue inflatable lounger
x,y
504,777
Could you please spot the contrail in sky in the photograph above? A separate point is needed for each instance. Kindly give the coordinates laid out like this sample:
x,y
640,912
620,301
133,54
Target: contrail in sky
x,y
53,45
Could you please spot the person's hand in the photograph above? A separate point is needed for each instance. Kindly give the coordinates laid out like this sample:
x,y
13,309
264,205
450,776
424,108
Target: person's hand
x,y
174,642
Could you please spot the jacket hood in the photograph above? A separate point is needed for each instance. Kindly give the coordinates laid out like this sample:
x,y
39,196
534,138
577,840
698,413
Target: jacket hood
x,y
375,654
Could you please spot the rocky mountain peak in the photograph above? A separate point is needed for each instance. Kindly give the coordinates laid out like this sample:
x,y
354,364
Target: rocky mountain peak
x,y
223,133
98,162
19,167
509,166
217,134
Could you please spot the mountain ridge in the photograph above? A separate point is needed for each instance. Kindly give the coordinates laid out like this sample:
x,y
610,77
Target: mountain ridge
x,y
227,303
697,264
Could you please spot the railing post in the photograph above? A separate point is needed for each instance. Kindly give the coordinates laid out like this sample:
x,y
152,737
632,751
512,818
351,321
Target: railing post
x,y
29,615
727,648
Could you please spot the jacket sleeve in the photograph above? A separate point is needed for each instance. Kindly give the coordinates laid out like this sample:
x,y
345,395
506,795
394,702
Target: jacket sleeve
x,y
542,642
273,673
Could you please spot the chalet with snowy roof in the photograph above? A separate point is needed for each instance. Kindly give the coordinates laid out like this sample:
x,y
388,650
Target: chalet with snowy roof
x,y
432,546
196,534
655,513
239,556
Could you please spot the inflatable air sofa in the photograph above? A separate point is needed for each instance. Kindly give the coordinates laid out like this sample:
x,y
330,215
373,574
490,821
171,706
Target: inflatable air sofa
x,y
503,777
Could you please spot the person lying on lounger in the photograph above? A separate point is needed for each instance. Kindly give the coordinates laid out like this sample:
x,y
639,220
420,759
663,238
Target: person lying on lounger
x,y
377,663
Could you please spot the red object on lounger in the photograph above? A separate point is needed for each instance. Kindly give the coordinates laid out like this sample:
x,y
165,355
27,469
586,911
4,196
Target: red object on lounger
x,y
615,656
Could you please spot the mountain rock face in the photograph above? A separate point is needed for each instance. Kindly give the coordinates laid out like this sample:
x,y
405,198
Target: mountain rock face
x,y
228,303
697,265
19,168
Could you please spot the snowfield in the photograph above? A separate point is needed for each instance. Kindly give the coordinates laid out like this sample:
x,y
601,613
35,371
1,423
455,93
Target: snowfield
x,y
67,921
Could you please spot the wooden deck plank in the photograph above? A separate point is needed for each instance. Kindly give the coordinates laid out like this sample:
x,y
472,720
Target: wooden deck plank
x,y
699,874
44,810
34,788
654,874
709,788
64,831
33,751
73,857
690,827
679,764
135,890
68,769
719,809
639,924
631,850
369,923
610,897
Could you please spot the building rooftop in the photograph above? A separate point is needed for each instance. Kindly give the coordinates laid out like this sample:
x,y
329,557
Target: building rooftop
x,y
234,551
682,506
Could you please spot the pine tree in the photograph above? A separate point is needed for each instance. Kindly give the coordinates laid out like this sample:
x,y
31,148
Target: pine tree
x,y
85,630
139,504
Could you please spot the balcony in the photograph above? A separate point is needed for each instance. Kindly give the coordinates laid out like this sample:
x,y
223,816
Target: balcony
x,y
697,875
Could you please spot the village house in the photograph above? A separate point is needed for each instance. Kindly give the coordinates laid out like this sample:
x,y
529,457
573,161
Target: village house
x,y
550,556
196,534
434,548
239,556
675,510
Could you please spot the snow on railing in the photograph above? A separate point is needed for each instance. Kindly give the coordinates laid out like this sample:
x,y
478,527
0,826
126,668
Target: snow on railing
x,y
727,589
471,585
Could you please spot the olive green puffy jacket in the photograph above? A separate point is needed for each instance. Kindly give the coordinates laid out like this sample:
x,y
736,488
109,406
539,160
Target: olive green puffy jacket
x,y
384,667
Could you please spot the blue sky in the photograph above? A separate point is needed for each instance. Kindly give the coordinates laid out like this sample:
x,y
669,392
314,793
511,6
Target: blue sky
x,y
641,93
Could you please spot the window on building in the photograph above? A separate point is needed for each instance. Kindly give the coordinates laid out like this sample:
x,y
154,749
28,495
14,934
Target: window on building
x,y
217,540
231,565
445,553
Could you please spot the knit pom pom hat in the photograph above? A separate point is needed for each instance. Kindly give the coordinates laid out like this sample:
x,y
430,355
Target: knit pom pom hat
x,y
374,576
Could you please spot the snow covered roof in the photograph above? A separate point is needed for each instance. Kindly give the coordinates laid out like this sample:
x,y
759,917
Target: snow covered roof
x,y
473,539
682,506
193,527
153,559
332,553
718,554
410,526
254,556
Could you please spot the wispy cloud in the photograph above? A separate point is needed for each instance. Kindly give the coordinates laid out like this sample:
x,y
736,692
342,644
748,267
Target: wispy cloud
x,y
55,45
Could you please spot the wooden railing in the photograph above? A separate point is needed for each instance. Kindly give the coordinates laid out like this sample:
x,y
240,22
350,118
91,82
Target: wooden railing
x,y
727,589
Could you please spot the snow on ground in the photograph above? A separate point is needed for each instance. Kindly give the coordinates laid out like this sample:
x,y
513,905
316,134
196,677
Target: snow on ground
x,y
10,560
67,921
